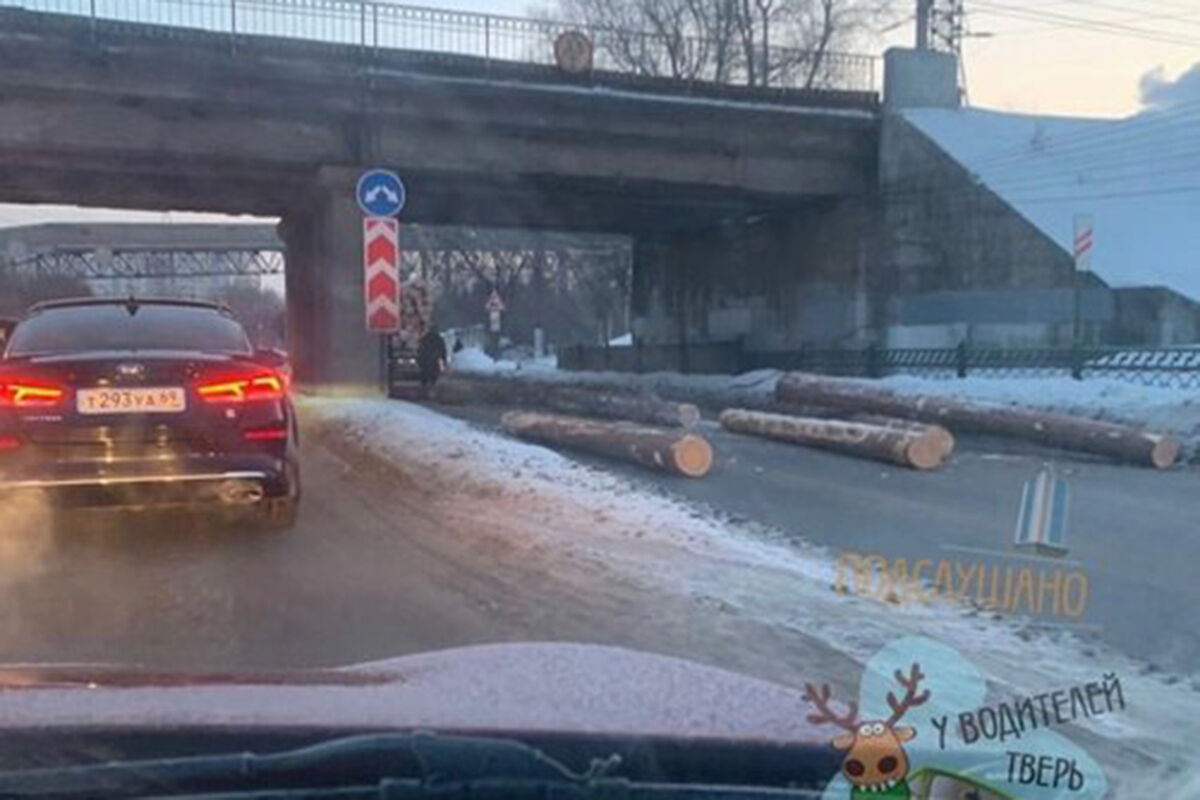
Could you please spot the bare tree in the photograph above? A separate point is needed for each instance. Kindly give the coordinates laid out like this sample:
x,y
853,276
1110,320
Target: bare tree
x,y
576,287
19,291
756,42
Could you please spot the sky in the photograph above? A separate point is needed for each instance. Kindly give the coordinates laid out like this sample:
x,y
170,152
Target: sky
x,y
1036,56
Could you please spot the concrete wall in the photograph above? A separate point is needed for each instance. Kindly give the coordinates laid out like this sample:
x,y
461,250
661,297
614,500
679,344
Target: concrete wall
x,y
771,282
919,79
957,262
1153,316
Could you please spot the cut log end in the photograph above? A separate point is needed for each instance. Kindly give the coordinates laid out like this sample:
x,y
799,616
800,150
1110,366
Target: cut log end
x,y
926,452
693,456
1165,453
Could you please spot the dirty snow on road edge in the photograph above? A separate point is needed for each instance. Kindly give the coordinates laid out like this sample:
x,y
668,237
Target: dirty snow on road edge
x,y
666,543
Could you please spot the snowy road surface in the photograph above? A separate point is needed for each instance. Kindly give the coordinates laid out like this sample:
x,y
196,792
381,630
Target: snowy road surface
x,y
420,532
1135,532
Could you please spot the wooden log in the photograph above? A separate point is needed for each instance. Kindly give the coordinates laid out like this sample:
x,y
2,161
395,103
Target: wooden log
x,y
571,400
1119,442
944,437
672,451
904,447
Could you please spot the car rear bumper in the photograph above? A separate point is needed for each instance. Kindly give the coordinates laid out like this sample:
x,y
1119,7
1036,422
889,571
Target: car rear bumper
x,y
211,481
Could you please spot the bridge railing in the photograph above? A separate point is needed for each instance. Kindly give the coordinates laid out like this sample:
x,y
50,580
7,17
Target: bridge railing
x,y
373,26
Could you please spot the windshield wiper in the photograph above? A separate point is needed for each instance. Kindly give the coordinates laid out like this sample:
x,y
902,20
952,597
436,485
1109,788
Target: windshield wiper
x,y
399,765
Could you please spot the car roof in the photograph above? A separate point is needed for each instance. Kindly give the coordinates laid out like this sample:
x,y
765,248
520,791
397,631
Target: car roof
x,y
76,302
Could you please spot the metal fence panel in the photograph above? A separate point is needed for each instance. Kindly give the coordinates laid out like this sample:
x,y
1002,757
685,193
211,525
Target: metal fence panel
x,y
1169,367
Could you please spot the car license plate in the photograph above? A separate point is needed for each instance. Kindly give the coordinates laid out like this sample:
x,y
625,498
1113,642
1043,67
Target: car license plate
x,y
162,400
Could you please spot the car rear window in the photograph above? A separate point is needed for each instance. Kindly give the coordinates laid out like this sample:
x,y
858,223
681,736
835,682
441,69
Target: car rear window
x,y
153,327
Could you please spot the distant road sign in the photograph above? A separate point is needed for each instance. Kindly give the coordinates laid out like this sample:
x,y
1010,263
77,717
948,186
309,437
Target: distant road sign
x,y
381,273
380,193
573,52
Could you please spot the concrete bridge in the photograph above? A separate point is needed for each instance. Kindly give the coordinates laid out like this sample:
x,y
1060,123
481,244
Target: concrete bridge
x,y
705,177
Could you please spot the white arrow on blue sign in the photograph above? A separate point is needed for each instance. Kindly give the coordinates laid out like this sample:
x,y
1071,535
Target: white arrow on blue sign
x,y
380,193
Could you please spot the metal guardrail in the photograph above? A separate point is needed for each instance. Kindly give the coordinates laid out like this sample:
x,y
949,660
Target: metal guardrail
x,y
373,26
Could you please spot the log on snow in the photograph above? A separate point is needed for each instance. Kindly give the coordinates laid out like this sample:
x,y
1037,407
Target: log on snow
x,y
1120,442
919,450
571,400
673,451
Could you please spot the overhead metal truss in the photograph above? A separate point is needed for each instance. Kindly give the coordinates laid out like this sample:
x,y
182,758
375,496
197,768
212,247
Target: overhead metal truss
x,y
98,265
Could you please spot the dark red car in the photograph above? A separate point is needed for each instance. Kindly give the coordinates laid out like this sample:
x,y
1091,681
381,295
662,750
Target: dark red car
x,y
146,403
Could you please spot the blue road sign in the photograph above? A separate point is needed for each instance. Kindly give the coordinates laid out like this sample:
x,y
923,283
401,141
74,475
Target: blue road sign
x,y
380,193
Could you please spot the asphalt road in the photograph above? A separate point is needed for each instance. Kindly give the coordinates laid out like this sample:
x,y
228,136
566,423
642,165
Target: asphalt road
x,y
376,568
1134,532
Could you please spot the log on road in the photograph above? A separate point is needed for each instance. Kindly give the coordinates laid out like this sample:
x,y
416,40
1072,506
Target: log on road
x,y
572,400
673,451
1119,442
919,450
943,436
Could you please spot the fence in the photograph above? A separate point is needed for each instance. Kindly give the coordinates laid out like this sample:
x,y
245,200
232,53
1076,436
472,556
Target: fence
x,y
1165,367
373,26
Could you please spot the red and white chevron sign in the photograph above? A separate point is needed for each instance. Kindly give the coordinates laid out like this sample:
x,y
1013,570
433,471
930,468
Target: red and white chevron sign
x,y
381,276
1083,242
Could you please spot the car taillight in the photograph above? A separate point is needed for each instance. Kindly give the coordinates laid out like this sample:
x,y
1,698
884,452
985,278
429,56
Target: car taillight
x,y
272,434
25,393
264,386
9,443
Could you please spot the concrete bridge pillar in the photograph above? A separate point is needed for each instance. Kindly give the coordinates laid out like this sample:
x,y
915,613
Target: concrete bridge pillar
x,y
771,282
330,346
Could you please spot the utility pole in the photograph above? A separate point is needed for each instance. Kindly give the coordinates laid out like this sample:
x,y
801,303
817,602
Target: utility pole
x,y
924,13
940,25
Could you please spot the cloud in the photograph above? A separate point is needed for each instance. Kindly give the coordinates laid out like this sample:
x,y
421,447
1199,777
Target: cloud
x,y
1160,92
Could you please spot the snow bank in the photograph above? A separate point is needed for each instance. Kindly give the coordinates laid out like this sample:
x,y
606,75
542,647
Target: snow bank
x,y
473,359
758,592
1165,410
755,388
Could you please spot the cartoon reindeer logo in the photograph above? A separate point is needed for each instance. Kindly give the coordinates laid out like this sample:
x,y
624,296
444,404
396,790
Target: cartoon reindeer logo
x,y
875,762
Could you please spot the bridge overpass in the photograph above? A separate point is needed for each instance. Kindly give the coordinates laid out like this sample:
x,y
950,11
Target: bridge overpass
x,y
135,113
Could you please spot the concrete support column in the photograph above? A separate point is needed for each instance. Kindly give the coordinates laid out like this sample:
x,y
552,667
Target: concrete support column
x,y
330,346
770,282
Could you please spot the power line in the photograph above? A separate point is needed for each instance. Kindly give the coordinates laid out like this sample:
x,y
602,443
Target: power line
x,y
1082,23
1139,13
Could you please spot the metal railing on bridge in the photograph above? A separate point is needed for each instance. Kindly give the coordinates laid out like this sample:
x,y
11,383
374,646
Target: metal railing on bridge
x,y
371,27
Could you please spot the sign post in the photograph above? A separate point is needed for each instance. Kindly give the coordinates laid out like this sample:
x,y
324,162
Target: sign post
x,y
1083,240
495,307
381,196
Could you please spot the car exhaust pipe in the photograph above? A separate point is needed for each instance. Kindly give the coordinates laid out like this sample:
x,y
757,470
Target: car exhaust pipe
x,y
240,492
